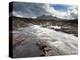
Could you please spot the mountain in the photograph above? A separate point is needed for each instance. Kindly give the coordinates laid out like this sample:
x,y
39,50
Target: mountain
x,y
50,17
47,17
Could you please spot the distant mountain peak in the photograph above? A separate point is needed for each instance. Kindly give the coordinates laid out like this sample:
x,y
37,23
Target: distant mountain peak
x,y
46,17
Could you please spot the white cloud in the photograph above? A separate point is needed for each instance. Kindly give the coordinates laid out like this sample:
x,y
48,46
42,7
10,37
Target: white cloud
x,y
71,13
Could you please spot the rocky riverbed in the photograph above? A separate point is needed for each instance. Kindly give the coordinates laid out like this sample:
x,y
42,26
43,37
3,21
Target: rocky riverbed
x,y
34,41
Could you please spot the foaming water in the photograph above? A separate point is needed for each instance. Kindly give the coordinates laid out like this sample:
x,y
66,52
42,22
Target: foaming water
x,y
63,43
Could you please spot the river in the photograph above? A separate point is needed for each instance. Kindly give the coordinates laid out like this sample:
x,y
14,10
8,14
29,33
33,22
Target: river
x,y
33,37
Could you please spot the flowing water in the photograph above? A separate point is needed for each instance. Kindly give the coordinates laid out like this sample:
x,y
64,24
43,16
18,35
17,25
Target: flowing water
x,y
60,43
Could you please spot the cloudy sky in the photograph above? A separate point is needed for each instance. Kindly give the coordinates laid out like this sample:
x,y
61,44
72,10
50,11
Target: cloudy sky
x,y
33,10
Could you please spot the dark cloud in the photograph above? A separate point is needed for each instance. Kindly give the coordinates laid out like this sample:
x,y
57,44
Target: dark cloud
x,y
29,9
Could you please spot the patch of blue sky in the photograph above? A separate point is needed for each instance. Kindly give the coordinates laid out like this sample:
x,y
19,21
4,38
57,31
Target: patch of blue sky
x,y
60,7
